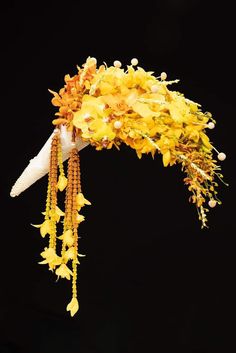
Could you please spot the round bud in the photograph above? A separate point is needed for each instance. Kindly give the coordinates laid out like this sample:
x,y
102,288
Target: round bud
x,y
117,63
212,203
117,124
211,125
134,62
221,156
163,76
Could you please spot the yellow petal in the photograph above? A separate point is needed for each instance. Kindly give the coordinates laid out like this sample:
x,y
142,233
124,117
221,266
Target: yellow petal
x,y
59,212
62,182
45,228
37,225
80,218
166,158
73,306
143,110
43,262
205,140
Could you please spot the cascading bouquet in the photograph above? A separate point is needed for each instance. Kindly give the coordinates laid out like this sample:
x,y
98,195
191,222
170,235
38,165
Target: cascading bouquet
x,y
107,106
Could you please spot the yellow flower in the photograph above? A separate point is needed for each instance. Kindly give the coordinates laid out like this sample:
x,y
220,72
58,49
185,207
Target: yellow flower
x,y
62,182
81,200
45,227
67,237
100,130
80,218
50,257
64,272
58,214
73,306
70,253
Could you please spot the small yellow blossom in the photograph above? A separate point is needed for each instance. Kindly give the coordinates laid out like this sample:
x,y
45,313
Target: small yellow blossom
x,y
70,253
80,218
45,227
62,182
81,200
57,214
73,306
64,272
67,237
50,257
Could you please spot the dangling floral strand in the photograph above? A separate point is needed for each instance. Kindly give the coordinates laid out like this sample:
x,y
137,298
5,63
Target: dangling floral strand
x,y
74,201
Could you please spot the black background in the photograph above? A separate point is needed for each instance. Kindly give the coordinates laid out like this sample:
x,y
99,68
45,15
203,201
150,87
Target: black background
x,y
152,280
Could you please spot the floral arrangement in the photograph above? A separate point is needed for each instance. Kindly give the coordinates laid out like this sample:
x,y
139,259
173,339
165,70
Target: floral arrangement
x,y
104,107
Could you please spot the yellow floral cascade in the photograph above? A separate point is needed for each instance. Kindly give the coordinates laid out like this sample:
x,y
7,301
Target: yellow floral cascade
x,y
110,105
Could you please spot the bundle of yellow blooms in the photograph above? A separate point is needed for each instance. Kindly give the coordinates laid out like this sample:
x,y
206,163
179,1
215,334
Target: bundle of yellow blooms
x,y
107,106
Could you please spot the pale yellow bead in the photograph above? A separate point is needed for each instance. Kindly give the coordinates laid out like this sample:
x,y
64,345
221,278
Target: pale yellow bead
x,y
134,62
117,63
221,156
117,124
211,125
163,76
212,203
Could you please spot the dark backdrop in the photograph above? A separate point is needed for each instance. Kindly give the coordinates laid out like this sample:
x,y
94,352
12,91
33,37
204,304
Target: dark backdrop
x,y
152,280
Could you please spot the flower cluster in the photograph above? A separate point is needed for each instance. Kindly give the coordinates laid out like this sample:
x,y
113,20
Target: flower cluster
x,y
110,105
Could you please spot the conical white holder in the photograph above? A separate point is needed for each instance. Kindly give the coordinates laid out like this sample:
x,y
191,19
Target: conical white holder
x,y
39,165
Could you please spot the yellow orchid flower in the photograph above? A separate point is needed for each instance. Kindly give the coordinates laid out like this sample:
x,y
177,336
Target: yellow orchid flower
x,y
58,214
73,306
67,237
64,272
101,129
81,200
70,253
45,227
62,182
50,257
80,218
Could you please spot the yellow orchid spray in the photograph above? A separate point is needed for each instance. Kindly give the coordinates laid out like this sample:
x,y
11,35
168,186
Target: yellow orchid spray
x,y
106,106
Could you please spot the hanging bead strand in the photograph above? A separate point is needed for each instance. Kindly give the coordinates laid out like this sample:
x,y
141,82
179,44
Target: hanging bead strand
x,y
53,189
76,186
